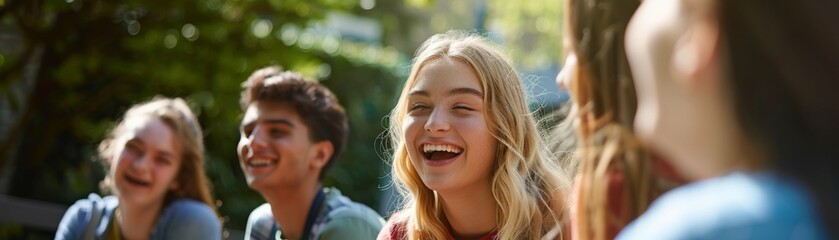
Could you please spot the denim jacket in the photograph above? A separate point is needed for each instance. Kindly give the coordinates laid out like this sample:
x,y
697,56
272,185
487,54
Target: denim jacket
x,y
739,205
180,219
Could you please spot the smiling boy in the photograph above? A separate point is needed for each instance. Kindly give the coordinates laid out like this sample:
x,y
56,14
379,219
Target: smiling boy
x,y
291,133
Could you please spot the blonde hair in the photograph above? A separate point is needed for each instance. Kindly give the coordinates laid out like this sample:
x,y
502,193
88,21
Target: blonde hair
x,y
527,185
176,114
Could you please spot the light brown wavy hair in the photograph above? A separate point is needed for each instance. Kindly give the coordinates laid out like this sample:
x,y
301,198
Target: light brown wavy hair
x,y
176,114
605,99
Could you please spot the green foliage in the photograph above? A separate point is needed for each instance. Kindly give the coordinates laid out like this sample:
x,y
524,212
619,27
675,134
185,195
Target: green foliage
x,y
532,30
103,56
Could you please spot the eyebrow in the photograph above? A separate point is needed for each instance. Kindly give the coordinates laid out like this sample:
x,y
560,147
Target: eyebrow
x,y
271,121
277,121
163,153
166,154
456,91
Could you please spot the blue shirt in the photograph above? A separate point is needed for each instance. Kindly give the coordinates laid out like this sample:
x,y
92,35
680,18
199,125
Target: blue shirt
x,y
735,206
339,218
181,219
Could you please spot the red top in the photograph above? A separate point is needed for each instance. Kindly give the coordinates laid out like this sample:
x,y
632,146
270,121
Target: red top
x,y
664,170
617,207
618,215
396,229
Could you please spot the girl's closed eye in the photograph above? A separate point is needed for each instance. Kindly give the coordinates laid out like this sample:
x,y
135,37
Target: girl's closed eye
x,y
163,161
417,107
463,108
464,111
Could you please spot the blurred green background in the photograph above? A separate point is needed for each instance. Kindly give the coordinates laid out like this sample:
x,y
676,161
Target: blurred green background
x,y
70,68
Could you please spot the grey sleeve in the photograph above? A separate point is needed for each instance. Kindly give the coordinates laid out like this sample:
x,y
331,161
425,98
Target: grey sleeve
x,y
350,228
260,224
352,225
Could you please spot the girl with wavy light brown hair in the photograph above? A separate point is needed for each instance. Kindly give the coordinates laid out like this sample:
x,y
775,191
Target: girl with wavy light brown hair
x,y
155,171
616,178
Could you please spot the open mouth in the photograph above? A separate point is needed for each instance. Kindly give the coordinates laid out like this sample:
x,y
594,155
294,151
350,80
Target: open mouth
x,y
137,181
261,162
436,152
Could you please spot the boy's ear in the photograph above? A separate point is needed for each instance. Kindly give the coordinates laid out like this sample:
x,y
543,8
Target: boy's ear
x,y
696,52
323,150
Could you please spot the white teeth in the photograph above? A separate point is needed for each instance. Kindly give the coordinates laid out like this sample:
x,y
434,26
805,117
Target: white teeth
x,y
259,162
441,148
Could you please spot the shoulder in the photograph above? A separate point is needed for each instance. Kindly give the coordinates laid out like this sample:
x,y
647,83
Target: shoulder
x,y
93,201
262,212
346,218
75,220
737,205
260,223
188,209
84,207
261,217
339,207
396,227
188,219
78,216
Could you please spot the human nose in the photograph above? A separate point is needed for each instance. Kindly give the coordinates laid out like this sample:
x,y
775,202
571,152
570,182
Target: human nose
x,y
560,79
437,121
255,141
567,72
142,162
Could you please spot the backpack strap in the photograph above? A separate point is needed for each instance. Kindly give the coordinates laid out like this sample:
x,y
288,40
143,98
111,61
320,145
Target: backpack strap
x,y
97,209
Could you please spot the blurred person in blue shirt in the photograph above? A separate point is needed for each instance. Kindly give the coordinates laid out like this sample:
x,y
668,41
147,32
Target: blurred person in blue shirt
x,y
155,169
741,96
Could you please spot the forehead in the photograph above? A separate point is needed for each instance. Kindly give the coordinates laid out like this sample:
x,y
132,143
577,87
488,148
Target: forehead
x,y
446,73
152,131
263,110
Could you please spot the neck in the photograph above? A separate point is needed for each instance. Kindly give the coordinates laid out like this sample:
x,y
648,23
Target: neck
x,y
137,222
725,147
471,212
290,207
742,155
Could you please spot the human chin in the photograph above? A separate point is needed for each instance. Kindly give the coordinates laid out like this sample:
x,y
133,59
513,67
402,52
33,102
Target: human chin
x,y
257,168
646,120
437,175
133,193
258,177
